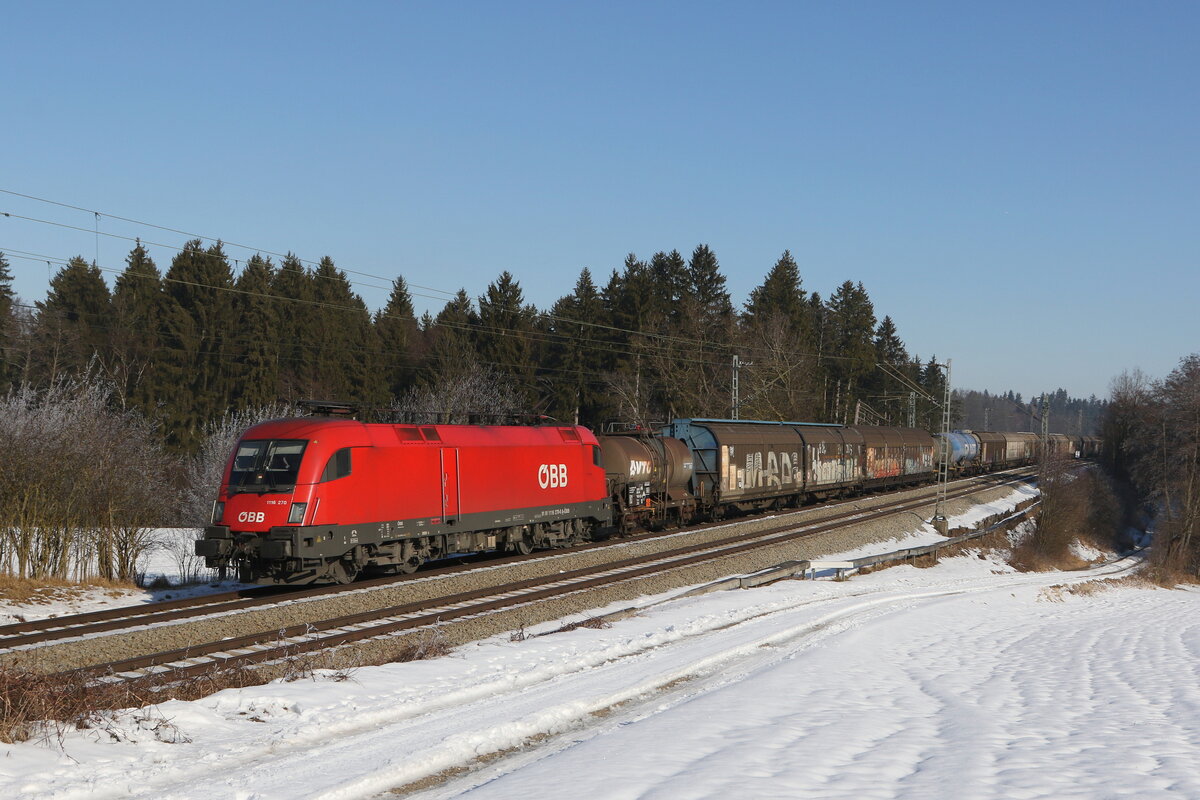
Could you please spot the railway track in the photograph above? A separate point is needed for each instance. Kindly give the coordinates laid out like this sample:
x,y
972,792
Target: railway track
x,y
36,632
274,645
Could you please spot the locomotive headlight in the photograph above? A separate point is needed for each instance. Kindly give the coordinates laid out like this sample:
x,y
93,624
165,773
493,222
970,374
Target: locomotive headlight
x,y
297,514
218,512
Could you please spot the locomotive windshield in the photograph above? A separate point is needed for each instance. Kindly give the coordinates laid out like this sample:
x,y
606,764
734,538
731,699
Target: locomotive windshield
x,y
266,465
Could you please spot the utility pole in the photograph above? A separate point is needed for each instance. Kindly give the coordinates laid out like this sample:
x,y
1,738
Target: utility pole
x,y
987,415
1045,426
940,523
737,363
912,409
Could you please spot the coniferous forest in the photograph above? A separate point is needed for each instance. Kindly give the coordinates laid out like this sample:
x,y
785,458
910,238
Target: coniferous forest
x,y
187,344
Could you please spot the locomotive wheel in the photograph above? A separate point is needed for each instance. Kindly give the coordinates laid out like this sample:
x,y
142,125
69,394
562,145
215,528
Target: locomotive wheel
x,y
408,567
524,545
343,572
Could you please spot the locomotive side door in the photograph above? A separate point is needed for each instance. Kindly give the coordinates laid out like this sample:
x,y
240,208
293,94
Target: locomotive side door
x,y
450,488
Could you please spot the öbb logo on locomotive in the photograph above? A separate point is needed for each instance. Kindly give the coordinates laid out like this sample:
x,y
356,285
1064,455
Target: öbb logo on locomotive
x,y
252,516
552,476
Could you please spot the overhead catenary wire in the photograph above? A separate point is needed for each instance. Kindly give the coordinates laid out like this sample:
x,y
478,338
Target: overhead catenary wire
x,y
441,294
547,315
651,343
535,336
551,337
190,235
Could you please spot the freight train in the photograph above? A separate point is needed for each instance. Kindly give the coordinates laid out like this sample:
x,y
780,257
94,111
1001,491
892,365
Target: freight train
x,y
980,451
320,500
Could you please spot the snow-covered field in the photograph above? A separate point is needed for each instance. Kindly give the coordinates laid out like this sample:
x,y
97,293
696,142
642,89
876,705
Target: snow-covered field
x,y
170,559
965,680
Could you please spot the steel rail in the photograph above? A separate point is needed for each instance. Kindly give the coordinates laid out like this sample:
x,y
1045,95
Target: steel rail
x,y
290,641
24,634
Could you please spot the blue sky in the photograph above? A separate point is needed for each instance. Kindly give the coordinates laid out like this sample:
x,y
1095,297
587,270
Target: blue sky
x,y
1017,185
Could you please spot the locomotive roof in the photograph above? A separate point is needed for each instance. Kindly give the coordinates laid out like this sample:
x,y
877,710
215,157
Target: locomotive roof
x,y
310,427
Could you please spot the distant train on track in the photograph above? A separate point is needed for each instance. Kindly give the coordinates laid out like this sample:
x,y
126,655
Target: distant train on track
x,y
319,499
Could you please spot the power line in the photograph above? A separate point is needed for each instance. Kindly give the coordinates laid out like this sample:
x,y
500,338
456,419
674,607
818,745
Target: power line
x,y
98,214
532,335
443,294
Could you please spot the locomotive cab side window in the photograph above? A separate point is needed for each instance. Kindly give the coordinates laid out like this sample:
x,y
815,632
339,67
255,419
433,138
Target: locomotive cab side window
x,y
338,466
597,459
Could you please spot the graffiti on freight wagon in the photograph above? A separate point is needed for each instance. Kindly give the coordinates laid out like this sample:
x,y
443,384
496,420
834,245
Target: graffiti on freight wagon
x,y
758,469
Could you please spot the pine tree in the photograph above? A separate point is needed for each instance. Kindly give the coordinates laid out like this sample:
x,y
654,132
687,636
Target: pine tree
x,y
450,352
850,349
696,379
887,395
775,333
397,333
576,356
669,284
780,294
707,291
343,338
73,323
888,347
627,306
8,327
504,337
139,310
199,320
293,289
933,381
259,333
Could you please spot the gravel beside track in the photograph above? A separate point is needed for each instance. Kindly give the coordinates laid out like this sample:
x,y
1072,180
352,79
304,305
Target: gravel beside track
x,y
73,654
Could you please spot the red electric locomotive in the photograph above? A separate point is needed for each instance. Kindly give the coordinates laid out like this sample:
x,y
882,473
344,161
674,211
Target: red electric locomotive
x,y
318,499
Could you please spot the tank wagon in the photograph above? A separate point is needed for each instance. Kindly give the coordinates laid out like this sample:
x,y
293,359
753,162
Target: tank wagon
x,y
649,480
325,499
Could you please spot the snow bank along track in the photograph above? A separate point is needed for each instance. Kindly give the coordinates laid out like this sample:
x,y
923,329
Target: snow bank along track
x,y
462,614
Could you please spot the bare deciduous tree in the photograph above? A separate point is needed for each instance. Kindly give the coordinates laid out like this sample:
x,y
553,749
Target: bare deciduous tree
x,y
84,482
476,393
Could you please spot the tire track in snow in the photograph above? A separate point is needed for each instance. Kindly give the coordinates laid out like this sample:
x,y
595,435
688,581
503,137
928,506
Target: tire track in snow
x,y
555,706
